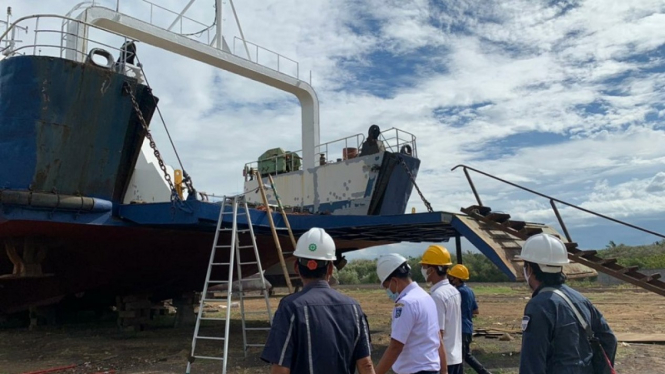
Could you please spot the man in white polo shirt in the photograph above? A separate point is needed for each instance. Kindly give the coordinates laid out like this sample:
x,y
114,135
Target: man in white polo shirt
x,y
414,343
435,263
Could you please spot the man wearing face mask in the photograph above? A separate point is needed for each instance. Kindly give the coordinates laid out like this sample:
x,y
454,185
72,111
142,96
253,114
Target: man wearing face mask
x,y
553,339
435,263
414,343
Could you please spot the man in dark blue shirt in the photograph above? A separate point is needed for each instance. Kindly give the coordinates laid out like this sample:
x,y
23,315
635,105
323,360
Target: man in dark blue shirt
x,y
553,340
457,275
318,330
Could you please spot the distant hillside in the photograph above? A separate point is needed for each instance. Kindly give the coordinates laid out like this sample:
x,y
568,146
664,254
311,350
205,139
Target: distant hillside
x,y
645,256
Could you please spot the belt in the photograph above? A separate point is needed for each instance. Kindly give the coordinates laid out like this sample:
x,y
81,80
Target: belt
x,y
427,372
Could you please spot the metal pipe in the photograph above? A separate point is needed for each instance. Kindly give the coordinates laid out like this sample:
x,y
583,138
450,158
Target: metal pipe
x,y
180,15
558,217
473,188
218,9
242,36
458,248
558,201
34,50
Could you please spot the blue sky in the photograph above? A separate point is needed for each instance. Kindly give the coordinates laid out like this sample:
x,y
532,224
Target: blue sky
x,y
565,97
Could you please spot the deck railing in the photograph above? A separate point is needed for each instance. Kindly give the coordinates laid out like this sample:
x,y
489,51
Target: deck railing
x,y
51,36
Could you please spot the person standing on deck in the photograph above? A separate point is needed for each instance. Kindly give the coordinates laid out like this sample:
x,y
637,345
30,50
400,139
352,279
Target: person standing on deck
x,y
458,275
318,330
435,263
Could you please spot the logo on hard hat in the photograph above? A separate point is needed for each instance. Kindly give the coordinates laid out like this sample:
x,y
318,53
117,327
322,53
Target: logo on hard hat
x,y
312,247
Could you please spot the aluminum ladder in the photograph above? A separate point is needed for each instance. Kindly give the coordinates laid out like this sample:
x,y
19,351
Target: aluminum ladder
x,y
233,250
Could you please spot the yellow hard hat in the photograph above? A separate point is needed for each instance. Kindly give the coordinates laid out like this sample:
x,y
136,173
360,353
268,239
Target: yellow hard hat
x,y
459,271
436,255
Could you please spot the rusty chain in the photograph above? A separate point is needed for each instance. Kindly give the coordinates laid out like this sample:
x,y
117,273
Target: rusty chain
x,y
413,180
153,145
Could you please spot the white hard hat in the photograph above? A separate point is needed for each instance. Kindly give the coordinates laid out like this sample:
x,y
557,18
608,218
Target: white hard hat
x,y
316,244
547,251
387,264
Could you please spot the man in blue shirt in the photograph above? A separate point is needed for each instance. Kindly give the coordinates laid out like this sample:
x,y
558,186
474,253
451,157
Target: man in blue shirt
x,y
318,330
457,275
553,339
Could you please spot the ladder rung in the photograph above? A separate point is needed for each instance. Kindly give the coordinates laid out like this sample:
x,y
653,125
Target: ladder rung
x,y
255,345
219,263
253,297
223,246
249,263
281,229
212,319
218,282
209,358
214,300
257,328
245,246
209,338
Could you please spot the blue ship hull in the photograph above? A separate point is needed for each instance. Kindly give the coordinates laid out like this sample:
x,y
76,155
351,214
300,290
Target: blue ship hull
x,y
69,140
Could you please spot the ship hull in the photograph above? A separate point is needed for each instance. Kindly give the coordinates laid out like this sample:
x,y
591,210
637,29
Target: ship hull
x,y
165,255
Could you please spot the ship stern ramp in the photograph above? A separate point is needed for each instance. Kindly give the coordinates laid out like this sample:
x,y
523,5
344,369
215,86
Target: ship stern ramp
x,y
501,247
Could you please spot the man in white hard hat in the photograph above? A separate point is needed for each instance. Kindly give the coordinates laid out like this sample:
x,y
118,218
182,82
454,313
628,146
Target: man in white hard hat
x,y
414,344
318,330
554,338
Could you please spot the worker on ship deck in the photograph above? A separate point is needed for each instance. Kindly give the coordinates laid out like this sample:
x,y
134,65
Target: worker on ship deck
x,y
372,144
318,330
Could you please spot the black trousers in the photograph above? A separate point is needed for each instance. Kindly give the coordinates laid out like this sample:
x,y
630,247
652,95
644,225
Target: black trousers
x,y
468,358
456,369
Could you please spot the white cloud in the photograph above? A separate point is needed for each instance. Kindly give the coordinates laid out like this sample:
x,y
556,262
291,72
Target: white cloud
x,y
588,71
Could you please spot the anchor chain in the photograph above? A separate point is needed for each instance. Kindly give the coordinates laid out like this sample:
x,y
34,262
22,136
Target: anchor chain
x,y
413,180
153,145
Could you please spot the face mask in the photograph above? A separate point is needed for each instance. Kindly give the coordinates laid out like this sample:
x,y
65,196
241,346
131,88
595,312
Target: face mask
x,y
526,277
391,295
424,272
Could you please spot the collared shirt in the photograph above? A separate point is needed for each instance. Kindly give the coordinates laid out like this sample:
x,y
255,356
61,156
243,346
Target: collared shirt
x,y
553,341
449,308
468,306
318,330
415,325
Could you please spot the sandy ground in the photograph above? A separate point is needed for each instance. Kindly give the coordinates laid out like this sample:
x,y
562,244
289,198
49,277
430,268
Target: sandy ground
x,y
99,347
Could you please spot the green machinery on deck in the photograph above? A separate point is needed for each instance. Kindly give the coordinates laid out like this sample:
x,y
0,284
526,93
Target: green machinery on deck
x,y
277,161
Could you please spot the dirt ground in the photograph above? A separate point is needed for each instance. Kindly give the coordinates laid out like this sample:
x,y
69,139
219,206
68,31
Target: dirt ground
x,y
96,347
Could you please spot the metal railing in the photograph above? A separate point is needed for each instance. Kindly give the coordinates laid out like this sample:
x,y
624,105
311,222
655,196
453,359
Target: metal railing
x,y
344,147
552,200
155,13
275,60
394,140
52,38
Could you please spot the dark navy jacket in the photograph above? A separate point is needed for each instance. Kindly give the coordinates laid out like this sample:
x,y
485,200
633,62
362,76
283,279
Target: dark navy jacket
x,y
553,341
468,306
318,330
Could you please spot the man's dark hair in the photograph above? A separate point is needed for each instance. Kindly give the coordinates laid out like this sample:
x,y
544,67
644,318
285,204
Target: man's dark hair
x,y
547,279
402,272
442,269
318,273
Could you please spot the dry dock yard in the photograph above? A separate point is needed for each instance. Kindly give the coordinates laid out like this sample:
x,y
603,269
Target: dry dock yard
x,y
93,346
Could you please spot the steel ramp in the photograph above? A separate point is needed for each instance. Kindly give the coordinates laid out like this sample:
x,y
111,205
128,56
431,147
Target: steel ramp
x,y
501,247
587,259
